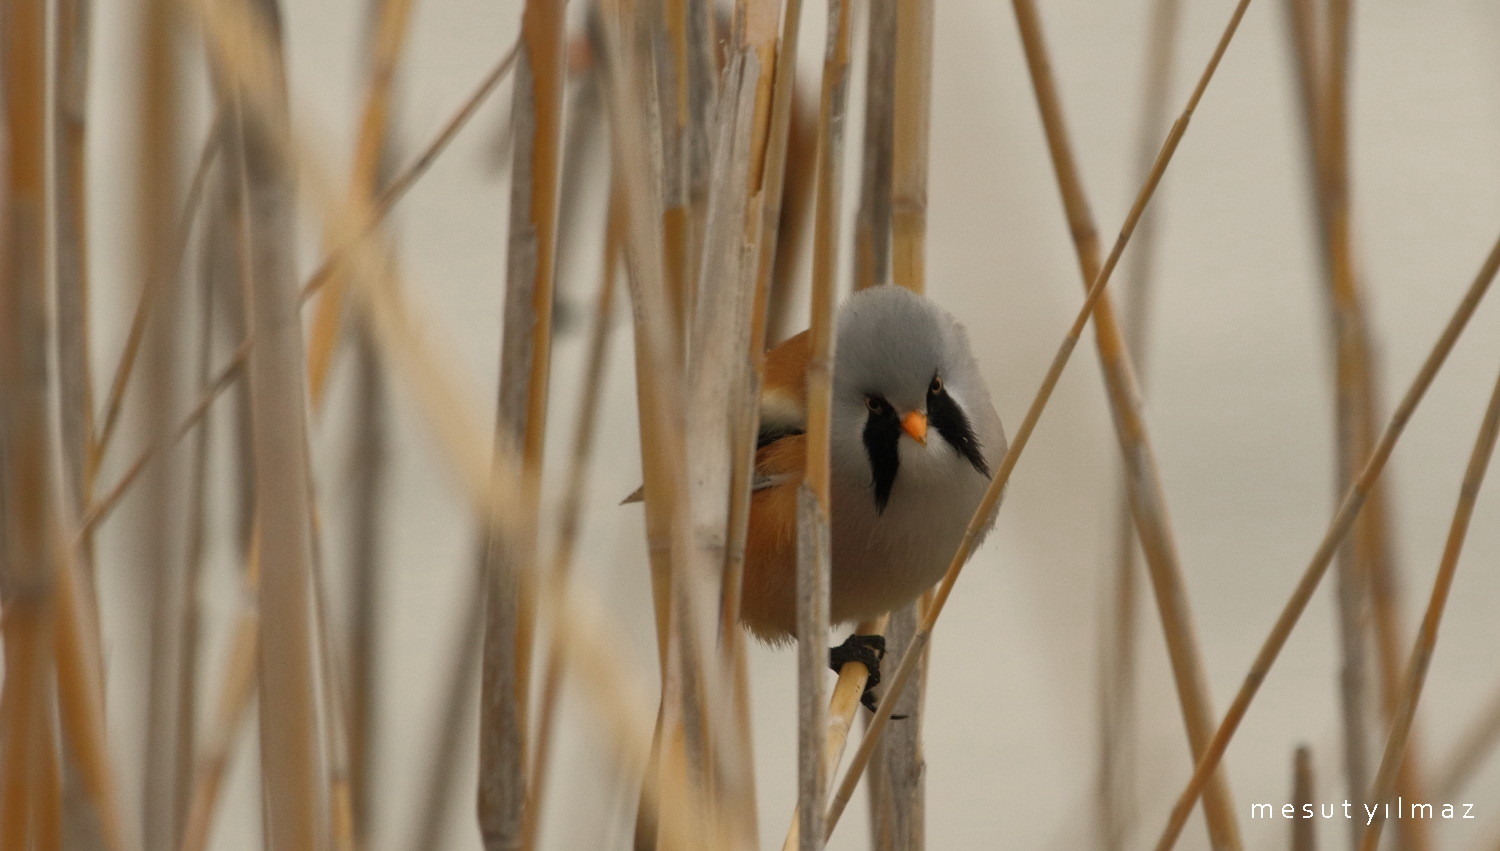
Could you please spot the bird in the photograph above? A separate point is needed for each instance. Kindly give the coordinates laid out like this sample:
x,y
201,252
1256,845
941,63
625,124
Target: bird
x,y
913,442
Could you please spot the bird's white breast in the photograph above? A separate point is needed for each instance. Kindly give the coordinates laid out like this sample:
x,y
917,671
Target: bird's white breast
x,y
882,560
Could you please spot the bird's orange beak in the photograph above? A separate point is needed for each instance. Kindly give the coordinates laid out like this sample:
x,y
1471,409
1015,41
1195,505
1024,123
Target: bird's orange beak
x,y
915,425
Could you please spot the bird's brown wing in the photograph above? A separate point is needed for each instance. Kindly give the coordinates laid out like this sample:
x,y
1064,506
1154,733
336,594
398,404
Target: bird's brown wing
x,y
783,414
769,591
783,391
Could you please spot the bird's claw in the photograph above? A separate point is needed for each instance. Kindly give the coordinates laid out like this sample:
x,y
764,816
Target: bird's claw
x,y
867,650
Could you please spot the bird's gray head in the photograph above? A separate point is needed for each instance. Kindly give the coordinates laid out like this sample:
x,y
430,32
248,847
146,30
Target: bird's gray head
x,y
903,371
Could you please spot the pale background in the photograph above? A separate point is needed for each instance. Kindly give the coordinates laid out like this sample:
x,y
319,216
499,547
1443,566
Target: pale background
x,y
1239,406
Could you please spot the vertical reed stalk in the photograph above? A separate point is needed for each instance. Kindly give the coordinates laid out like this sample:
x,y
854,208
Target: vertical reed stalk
x,y
912,89
1339,526
900,791
842,706
1117,672
225,264
1422,649
814,505
766,97
70,224
29,553
1147,497
157,194
1366,573
872,228
570,514
386,24
898,769
189,614
80,677
291,754
685,764
366,579
520,421
756,45
771,66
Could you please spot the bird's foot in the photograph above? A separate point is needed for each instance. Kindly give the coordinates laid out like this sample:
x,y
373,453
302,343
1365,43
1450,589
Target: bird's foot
x,y
867,650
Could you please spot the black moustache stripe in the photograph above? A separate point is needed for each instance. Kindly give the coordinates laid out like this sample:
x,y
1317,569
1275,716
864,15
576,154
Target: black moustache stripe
x,y
949,419
882,431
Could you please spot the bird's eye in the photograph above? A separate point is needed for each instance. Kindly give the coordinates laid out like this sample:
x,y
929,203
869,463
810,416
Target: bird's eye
x,y
936,386
875,404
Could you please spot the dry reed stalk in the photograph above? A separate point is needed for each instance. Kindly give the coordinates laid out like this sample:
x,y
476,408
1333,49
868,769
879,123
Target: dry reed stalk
x,y
570,512
1304,793
686,757
1353,404
189,615
239,42
70,263
668,35
988,505
872,267
1117,672
231,709
338,779
897,774
774,63
370,145
48,812
912,112
1147,497
721,329
224,267
795,222
80,699
1339,526
813,554
1366,573
843,704
814,504
296,807
902,794
80,695
520,421
224,377
366,577
764,181
366,569
1422,649
157,185
657,511
655,276
30,553
872,228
